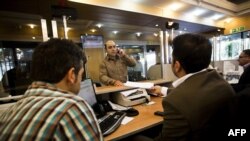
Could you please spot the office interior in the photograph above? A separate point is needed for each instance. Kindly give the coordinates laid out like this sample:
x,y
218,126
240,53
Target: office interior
x,y
142,28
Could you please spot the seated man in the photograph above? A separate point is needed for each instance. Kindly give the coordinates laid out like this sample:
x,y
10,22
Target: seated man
x,y
50,109
191,108
113,69
154,72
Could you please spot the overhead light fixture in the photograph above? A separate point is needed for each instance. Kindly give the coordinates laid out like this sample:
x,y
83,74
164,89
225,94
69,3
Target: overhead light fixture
x,y
138,34
228,20
170,23
115,32
175,6
93,30
156,25
155,34
31,25
197,12
33,37
99,25
216,16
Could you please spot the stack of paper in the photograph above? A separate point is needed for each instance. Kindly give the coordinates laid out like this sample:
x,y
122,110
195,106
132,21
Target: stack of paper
x,y
145,85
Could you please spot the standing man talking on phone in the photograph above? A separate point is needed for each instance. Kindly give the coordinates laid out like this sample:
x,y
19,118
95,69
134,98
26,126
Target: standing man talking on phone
x,y
113,69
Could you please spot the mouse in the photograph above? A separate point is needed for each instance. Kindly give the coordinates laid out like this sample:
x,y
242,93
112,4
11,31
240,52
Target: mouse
x,y
131,112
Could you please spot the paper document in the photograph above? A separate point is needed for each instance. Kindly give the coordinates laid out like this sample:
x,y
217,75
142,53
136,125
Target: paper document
x,y
117,106
145,85
126,120
128,92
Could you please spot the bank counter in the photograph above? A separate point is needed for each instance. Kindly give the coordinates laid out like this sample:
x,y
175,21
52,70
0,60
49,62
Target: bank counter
x,y
146,118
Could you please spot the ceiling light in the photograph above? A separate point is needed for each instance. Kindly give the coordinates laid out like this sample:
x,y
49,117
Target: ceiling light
x,y
115,32
135,46
228,20
33,38
170,23
175,6
197,12
216,16
99,25
31,25
93,30
156,25
138,34
155,34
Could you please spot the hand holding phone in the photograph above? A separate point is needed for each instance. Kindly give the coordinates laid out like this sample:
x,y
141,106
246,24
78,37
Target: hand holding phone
x,y
120,52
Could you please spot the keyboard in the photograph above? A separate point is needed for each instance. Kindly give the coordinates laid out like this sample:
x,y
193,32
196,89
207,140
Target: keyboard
x,y
111,122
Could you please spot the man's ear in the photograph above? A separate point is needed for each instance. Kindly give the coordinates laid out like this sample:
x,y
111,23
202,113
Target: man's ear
x,y
71,76
177,66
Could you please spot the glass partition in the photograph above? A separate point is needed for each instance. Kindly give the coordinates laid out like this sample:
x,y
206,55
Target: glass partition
x,y
15,67
246,40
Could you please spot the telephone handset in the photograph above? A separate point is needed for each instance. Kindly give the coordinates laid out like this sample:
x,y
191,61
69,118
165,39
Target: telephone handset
x,y
102,108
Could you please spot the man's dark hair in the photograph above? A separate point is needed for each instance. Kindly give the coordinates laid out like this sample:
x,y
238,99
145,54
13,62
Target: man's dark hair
x,y
51,60
192,51
247,52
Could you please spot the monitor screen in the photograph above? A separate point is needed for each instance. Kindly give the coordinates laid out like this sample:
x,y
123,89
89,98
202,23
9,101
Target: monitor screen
x,y
87,92
92,41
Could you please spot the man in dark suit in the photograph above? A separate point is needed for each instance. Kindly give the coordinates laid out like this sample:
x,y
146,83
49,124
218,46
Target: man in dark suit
x,y
191,108
244,61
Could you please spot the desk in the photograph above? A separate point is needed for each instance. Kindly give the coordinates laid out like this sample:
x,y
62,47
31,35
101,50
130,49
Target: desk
x,y
110,89
145,120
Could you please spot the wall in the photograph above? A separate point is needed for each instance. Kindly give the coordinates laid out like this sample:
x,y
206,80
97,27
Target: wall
x,y
95,57
235,23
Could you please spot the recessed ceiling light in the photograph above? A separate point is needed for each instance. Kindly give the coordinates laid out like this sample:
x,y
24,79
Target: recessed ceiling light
x,y
99,25
155,34
115,32
175,6
138,34
93,30
197,12
156,25
31,25
228,20
216,16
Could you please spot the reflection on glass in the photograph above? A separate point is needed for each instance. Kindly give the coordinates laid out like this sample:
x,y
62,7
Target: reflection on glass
x,y
15,70
154,66
136,73
231,47
246,39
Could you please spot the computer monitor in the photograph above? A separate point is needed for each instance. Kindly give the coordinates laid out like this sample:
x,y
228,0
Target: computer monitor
x,y
87,92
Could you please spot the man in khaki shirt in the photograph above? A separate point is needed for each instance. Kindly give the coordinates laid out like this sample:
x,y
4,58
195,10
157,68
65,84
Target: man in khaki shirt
x,y
113,69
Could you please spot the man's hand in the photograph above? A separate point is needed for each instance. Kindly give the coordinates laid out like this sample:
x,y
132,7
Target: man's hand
x,y
156,90
120,52
118,83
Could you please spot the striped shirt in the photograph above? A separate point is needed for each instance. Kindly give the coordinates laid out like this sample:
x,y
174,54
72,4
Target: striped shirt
x,y
48,113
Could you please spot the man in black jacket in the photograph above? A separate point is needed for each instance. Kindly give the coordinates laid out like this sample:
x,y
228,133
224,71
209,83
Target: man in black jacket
x,y
244,61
